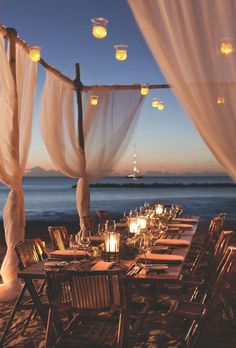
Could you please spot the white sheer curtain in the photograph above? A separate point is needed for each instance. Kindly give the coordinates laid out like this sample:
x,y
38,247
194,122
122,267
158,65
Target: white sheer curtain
x,y
107,127
15,136
185,39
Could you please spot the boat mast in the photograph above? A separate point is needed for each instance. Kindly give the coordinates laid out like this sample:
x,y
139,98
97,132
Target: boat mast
x,y
135,170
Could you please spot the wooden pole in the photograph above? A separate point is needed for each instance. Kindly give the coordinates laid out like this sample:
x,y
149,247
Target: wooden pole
x,y
78,87
12,35
125,87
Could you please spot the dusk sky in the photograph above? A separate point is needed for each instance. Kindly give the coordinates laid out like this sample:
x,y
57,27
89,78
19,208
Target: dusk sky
x,y
166,141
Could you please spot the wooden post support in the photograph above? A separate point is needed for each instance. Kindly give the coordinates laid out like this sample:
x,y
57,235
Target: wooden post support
x,y
12,37
78,87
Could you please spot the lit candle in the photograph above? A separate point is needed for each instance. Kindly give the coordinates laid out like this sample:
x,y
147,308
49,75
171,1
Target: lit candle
x,y
134,225
226,47
144,89
94,100
121,52
34,53
112,242
142,222
159,209
99,29
155,103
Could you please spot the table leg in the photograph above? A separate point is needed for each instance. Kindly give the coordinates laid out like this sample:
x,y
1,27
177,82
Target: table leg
x,y
35,298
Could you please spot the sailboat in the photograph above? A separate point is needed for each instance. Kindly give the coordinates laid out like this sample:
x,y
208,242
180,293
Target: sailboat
x,y
136,173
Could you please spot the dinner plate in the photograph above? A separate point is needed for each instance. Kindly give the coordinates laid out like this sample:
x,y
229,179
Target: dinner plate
x,y
55,263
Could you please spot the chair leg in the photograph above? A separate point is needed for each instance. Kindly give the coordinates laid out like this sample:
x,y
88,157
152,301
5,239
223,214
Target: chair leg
x,y
14,310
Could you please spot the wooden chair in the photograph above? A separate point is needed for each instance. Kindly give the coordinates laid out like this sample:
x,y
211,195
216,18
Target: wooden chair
x,y
194,313
91,224
103,215
29,252
200,251
97,301
59,237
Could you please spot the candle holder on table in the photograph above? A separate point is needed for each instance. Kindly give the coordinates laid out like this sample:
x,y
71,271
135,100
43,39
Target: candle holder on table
x,y
112,246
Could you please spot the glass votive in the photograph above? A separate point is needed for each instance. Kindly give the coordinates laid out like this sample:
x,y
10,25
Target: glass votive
x,y
112,246
134,225
99,29
121,52
34,53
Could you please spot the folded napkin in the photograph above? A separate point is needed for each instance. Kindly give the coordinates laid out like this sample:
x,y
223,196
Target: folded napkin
x,y
97,239
188,220
176,225
69,253
121,224
102,266
162,258
177,242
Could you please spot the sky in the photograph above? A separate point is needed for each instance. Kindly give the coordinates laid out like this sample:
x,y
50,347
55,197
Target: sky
x,y
166,141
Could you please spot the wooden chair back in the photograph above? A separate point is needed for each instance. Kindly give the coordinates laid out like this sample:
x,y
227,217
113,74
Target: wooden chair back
x,y
215,227
30,251
91,224
90,291
103,215
224,273
59,237
221,246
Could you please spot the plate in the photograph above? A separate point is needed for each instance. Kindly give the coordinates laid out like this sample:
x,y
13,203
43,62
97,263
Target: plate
x,y
55,263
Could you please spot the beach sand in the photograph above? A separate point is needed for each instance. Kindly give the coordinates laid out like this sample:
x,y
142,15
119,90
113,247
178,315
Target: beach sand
x,y
217,332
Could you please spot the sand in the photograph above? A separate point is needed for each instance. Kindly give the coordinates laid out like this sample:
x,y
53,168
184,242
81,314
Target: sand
x,y
217,332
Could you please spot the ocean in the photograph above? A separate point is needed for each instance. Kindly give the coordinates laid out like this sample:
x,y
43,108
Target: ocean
x,y
53,198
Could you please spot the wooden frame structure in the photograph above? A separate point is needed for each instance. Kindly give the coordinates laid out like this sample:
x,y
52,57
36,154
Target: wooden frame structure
x,y
12,36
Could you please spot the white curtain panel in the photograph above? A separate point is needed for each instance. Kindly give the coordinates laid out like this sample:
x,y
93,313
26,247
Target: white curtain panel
x,y
15,134
185,39
107,127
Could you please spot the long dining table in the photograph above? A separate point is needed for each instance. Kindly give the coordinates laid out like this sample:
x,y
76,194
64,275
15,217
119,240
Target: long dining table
x,y
152,275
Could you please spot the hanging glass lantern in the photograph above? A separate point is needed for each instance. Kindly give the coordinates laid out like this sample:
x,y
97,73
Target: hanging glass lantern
x,y
220,100
94,100
144,90
161,106
34,53
99,29
155,103
226,46
121,52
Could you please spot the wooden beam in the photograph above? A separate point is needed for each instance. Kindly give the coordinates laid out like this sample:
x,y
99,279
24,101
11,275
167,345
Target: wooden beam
x,y
12,35
123,87
78,88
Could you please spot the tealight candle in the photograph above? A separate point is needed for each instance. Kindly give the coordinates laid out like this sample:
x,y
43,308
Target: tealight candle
x,y
159,209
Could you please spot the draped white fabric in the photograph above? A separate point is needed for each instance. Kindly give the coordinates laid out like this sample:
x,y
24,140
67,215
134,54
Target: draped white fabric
x,y
15,134
185,39
107,127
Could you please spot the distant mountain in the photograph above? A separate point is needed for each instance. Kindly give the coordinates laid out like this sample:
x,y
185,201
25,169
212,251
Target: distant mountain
x,y
39,171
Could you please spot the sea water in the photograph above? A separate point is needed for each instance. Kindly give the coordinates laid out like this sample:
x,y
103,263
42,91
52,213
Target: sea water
x,y
53,198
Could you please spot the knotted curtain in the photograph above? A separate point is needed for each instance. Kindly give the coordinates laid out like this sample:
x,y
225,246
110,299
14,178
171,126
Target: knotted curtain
x,y
107,128
16,105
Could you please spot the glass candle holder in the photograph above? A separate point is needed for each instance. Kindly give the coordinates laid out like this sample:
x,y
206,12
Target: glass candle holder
x,y
142,221
112,246
99,28
94,100
121,52
144,90
34,53
134,227
159,209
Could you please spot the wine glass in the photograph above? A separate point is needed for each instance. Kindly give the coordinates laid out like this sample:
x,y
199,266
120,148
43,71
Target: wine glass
x,y
84,239
101,229
144,244
73,245
110,225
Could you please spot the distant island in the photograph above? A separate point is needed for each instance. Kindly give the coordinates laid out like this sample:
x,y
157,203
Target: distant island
x,y
39,171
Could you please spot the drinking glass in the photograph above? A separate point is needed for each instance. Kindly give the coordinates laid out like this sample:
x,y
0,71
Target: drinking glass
x,y
144,244
101,229
73,245
84,239
110,225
